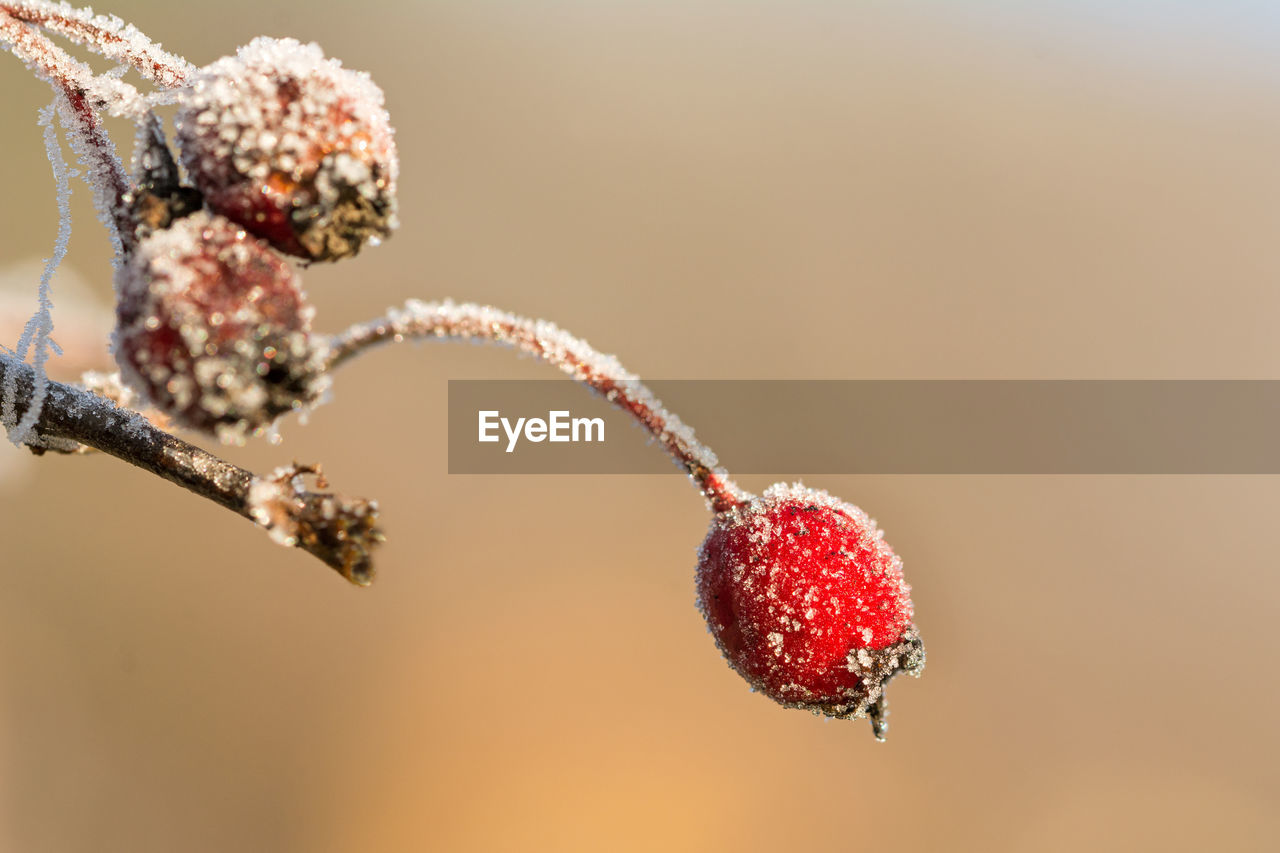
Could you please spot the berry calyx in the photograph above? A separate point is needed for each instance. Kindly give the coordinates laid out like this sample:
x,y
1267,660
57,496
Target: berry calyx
x,y
293,147
213,328
808,603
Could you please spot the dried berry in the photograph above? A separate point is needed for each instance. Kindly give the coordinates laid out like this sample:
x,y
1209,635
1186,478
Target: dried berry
x,y
292,146
213,328
808,603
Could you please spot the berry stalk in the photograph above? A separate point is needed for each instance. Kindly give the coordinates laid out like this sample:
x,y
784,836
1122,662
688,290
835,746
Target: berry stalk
x,y
600,372
804,597
82,94
107,36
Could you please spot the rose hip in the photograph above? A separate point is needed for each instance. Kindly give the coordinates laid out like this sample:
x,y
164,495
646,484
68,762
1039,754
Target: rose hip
x,y
808,602
292,146
213,327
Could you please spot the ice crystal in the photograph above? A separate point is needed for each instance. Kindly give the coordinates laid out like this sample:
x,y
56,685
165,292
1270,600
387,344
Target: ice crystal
x,y
273,503
73,79
36,336
107,36
64,72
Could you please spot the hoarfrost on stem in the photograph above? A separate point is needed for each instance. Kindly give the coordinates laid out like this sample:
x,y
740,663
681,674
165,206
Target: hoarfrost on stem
x,y
83,93
37,334
105,35
602,373
54,65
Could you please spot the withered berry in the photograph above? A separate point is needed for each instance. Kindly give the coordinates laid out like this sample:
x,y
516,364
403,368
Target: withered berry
x,y
212,326
292,146
808,603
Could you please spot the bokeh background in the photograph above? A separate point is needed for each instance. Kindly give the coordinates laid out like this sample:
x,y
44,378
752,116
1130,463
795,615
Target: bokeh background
x,y
806,189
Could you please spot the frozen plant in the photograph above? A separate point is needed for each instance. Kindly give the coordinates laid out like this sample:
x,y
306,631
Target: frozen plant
x,y
284,152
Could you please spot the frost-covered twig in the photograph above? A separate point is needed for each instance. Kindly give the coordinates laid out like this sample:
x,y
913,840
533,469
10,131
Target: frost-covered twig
x,y
106,35
54,64
603,373
342,532
78,94
85,93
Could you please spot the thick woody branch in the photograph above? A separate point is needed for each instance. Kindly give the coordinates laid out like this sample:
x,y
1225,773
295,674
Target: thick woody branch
x,y
341,532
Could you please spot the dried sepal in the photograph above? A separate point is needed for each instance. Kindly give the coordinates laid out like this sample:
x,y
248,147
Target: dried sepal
x,y
342,531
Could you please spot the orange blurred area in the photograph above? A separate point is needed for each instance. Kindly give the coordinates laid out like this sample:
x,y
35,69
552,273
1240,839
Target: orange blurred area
x,y
709,190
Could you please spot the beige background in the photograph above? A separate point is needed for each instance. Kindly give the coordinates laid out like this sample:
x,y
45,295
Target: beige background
x,y
709,189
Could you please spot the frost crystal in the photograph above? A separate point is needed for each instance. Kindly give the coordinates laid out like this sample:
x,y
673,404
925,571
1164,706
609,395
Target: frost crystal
x,y
37,333
83,93
106,35
273,503
66,73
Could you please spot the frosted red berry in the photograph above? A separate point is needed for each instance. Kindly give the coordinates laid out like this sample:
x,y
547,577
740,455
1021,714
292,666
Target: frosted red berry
x,y
213,328
292,146
808,602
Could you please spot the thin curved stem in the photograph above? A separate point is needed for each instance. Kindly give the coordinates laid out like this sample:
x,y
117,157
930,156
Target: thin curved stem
x,y
84,94
575,357
107,36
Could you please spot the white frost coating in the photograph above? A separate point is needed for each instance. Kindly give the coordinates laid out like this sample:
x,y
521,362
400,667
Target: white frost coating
x,y
39,328
103,170
107,36
271,503
274,501
293,146
235,107
10,366
56,66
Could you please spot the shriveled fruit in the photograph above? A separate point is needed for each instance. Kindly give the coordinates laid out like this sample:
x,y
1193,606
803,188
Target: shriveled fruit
x,y
212,326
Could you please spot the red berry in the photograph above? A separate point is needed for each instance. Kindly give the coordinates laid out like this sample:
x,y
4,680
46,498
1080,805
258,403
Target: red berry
x,y
808,603
213,328
292,146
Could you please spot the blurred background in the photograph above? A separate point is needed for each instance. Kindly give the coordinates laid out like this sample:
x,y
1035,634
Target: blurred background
x,y
758,190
